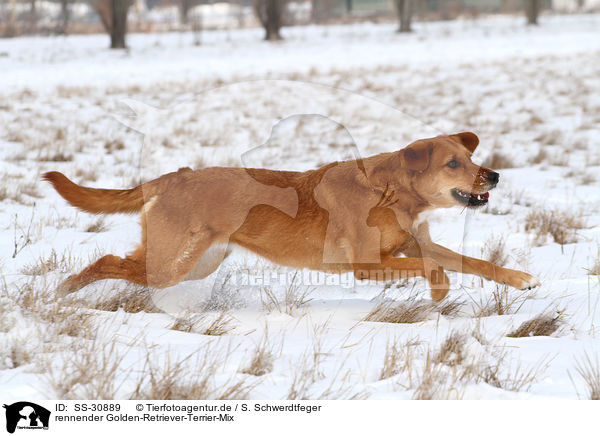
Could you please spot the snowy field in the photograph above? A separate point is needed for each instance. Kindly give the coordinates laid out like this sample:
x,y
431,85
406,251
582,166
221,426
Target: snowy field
x,y
254,330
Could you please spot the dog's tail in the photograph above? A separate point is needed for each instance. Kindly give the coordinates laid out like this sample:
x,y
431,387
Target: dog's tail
x,y
96,200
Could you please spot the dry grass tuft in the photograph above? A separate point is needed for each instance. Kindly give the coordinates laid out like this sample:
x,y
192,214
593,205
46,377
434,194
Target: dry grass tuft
x,y
503,301
262,359
595,269
38,300
404,312
503,376
90,372
98,226
561,225
443,375
56,157
88,174
296,296
398,358
499,161
204,323
494,251
184,324
589,371
191,378
451,308
30,189
52,263
541,325
433,382
13,354
220,325
541,157
451,352
133,299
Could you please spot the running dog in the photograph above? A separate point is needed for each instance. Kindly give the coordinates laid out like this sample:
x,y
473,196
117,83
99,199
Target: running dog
x,y
354,216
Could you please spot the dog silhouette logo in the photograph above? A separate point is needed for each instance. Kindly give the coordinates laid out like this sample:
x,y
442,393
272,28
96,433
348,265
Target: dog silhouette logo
x,y
26,415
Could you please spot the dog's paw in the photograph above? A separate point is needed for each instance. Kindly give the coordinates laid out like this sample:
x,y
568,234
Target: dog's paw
x,y
521,280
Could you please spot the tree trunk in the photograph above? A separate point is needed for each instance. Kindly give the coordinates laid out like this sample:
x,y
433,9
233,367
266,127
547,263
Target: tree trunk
x,y
32,17
118,29
269,13
65,17
404,11
273,20
532,10
10,28
184,8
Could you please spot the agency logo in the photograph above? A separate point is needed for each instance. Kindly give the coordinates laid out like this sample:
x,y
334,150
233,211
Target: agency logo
x,y
26,415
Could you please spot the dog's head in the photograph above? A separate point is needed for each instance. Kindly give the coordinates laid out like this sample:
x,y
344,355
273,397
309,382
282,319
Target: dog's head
x,y
443,174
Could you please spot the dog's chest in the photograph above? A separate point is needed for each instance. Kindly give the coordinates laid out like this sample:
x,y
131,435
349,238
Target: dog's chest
x,y
421,218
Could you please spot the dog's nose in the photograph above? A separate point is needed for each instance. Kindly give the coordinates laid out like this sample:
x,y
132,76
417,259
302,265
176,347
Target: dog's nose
x,y
493,177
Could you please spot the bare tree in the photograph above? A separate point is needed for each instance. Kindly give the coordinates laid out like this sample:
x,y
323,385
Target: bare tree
x,y
404,9
10,27
270,13
113,15
322,10
65,17
32,17
532,10
184,9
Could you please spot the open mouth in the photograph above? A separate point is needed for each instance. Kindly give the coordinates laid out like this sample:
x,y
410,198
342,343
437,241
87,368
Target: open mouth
x,y
470,199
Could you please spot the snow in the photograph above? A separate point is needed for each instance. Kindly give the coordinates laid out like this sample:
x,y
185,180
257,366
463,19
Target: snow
x,y
110,119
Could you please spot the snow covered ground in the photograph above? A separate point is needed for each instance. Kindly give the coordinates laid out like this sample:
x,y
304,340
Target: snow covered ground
x,y
531,94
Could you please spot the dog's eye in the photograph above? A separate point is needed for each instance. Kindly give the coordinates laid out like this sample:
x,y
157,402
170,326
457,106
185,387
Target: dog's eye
x,y
453,163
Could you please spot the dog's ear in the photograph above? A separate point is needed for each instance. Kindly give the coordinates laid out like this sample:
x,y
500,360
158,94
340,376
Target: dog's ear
x,y
468,139
416,156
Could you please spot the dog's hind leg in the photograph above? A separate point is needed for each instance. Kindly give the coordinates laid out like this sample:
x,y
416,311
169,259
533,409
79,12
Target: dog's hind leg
x,y
131,268
159,269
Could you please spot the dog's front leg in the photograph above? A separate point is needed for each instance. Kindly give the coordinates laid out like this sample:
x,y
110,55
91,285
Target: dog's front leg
x,y
395,268
422,245
469,265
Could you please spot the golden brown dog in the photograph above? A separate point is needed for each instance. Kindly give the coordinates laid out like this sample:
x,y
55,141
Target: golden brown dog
x,y
346,216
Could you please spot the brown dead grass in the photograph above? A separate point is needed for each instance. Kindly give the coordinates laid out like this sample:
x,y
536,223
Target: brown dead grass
x,y
89,372
53,262
502,301
17,354
451,352
262,359
494,251
56,157
38,300
404,312
190,378
87,174
206,323
296,296
133,299
97,226
594,270
398,357
588,369
499,161
561,225
542,325
450,308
